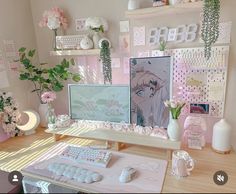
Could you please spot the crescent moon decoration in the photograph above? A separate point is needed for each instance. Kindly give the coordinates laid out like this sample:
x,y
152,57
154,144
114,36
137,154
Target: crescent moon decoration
x,y
32,124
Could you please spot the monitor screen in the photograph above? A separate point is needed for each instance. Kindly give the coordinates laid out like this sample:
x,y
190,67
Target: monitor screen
x,y
100,102
150,85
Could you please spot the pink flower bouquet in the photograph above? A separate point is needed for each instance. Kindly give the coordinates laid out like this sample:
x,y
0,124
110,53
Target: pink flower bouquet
x,y
53,19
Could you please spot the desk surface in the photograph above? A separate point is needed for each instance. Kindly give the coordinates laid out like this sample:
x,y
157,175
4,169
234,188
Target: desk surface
x,y
148,178
16,153
123,137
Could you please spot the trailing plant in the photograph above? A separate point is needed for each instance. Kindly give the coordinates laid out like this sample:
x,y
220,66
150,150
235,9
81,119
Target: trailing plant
x,y
45,79
105,56
210,24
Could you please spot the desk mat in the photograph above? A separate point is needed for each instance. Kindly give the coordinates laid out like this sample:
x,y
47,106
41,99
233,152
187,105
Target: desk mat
x,y
148,178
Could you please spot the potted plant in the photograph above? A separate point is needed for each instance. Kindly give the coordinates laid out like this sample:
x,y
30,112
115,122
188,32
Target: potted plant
x,y
44,79
105,57
173,129
210,24
162,48
98,25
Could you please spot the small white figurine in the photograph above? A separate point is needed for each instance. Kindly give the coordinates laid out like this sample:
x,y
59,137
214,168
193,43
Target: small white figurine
x,y
86,43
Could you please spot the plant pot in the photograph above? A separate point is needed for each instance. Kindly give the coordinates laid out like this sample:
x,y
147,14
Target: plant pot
x,y
3,135
161,53
133,4
173,130
96,37
43,109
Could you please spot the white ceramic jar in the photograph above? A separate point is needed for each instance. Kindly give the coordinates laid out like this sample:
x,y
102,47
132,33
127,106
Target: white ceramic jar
x,y
133,4
174,2
221,137
86,43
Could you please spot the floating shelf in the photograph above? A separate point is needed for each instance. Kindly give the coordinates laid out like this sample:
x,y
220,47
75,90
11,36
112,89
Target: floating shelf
x,y
75,52
165,10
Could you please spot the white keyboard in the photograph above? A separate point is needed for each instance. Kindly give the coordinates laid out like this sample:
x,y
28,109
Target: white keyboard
x,y
87,155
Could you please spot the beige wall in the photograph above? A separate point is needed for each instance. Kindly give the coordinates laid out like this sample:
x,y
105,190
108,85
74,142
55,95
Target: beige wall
x,y
17,25
114,11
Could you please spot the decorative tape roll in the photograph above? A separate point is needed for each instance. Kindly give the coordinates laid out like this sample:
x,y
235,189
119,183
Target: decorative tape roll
x,y
102,39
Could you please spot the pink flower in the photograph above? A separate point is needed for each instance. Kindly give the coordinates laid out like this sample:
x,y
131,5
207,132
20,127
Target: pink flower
x,y
48,97
54,14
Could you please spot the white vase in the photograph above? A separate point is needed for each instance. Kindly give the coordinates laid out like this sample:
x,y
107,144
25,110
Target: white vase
x,y
221,136
173,130
133,4
96,37
43,109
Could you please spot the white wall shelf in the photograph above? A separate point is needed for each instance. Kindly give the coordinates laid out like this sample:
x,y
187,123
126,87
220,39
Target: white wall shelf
x,y
165,10
75,52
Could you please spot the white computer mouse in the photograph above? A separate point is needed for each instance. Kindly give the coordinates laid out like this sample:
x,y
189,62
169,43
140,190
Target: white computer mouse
x,y
127,174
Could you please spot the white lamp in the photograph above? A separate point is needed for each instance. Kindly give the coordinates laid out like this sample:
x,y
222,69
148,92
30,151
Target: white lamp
x,y
32,124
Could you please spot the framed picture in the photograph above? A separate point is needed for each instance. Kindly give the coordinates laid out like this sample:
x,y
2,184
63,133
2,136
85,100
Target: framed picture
x,y
199,108
80,24
99,102
150,86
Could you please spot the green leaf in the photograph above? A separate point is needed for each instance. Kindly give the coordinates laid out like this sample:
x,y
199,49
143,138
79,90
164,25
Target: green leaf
x,y
72,61
35,78
24,76
22,49
26,62
31,53
76,78
63,63
57,87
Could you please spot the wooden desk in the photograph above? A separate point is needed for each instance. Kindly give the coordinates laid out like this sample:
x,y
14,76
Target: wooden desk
x,y
18,152
118,138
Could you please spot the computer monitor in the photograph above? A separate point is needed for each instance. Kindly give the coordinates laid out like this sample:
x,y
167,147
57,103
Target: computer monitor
x,y
100,102
150,85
